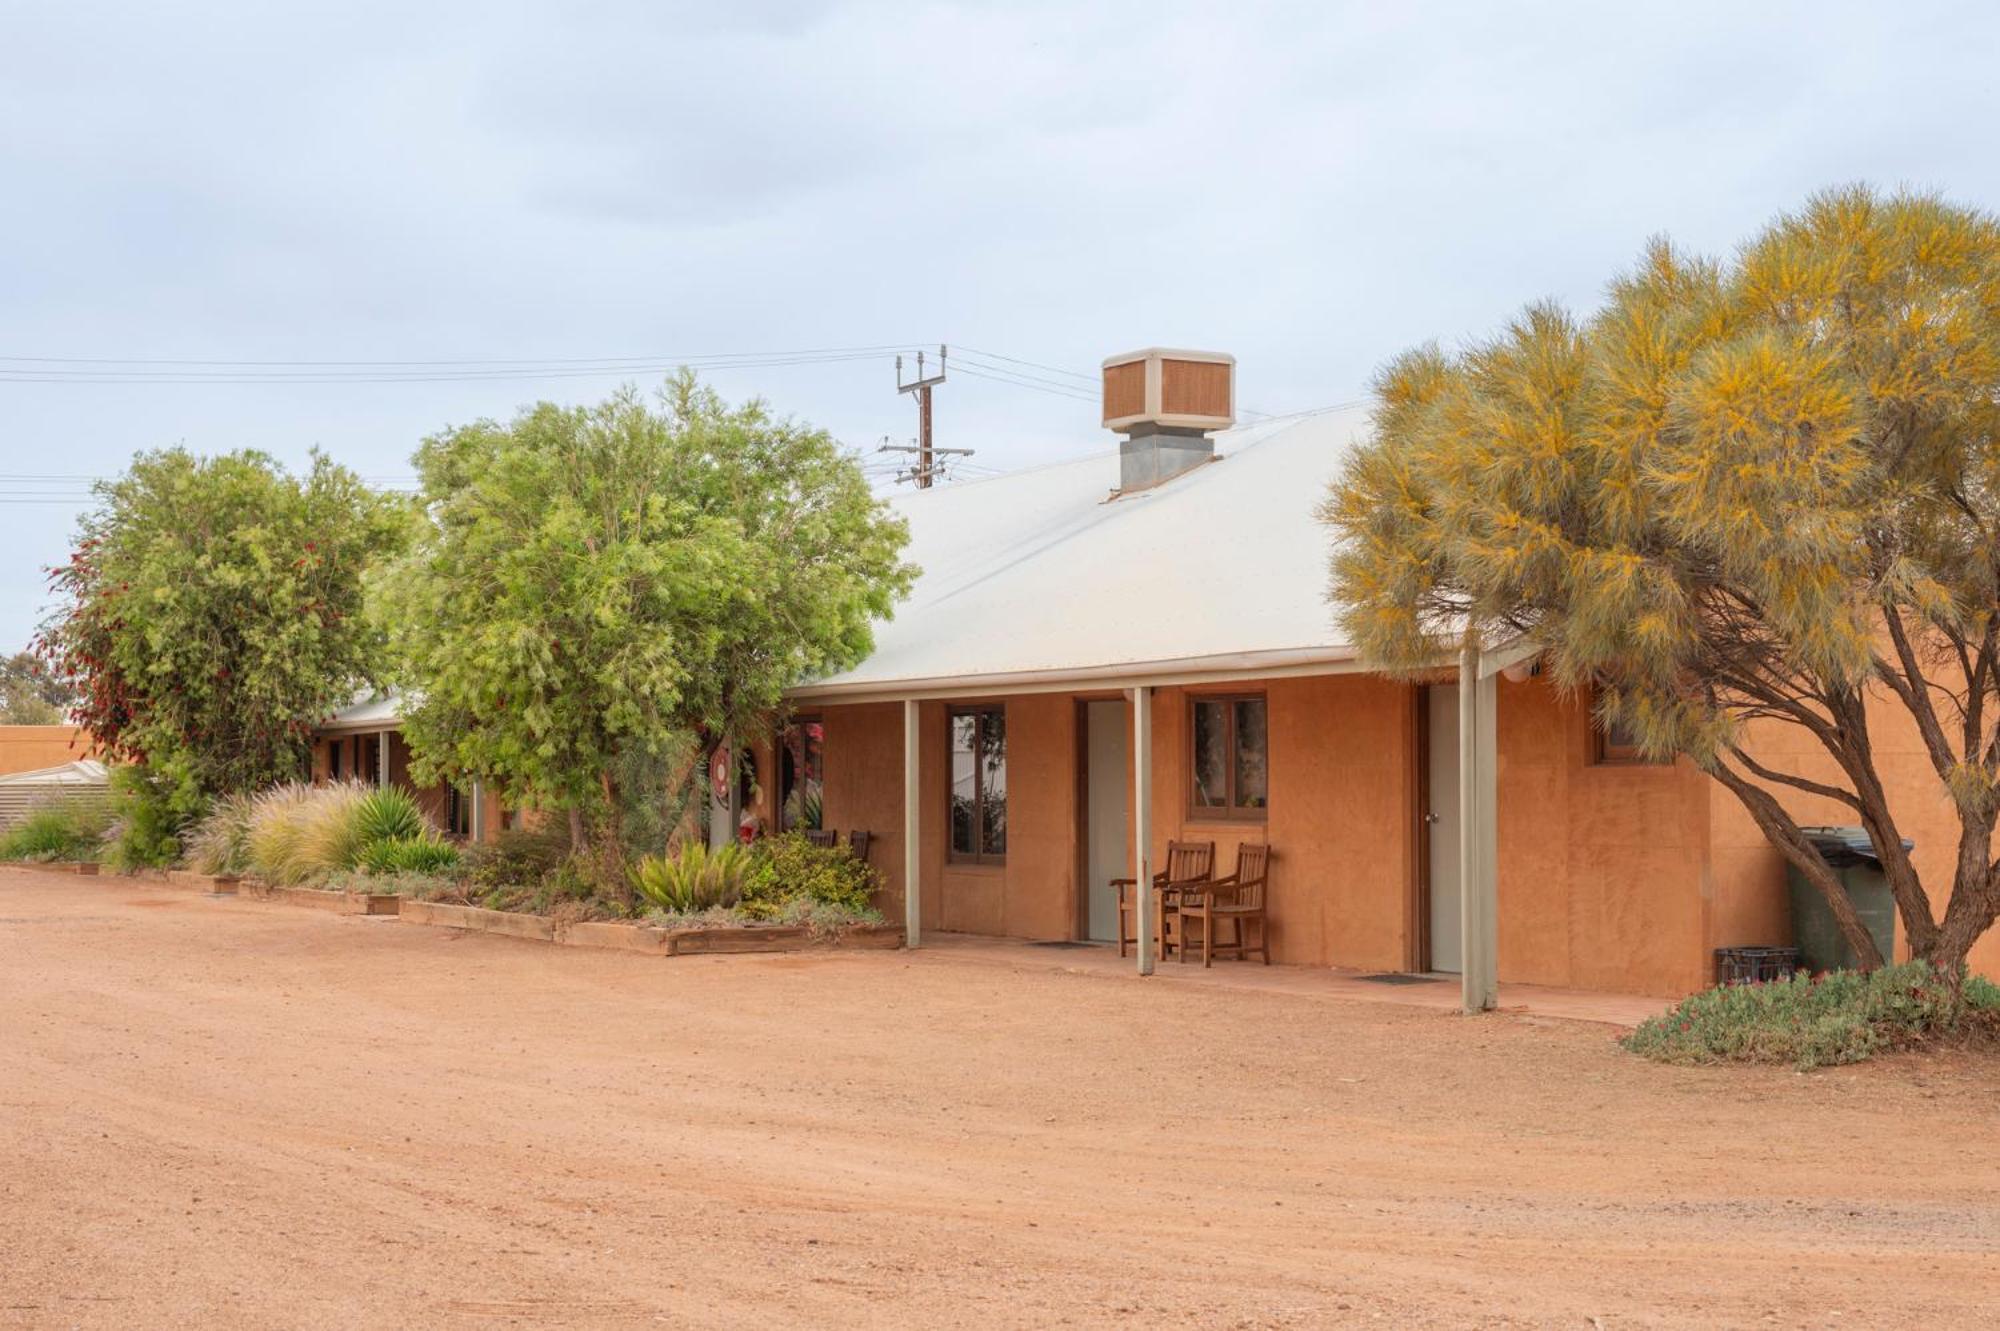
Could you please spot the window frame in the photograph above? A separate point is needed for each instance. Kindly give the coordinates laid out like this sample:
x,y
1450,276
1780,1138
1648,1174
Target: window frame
x,y
457,812
953,855
1231,812
795,728
1605,751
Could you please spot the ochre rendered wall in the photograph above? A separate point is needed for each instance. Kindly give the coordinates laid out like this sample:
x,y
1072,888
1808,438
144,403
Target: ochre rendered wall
x,y
1033,895
33,748
1604,880
862,787
1612,876
1341,821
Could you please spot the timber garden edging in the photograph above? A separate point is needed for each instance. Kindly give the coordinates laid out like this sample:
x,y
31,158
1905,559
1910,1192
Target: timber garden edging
x,y
611,935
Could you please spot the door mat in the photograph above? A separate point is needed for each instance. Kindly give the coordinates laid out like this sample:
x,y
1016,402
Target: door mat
x,y
1064,942
1400,977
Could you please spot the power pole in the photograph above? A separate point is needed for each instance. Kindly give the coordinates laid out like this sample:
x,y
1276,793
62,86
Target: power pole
x,y
926,466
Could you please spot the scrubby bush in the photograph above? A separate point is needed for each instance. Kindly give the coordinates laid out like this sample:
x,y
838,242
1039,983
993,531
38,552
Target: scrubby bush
x,y
1812,1021
419,854
64,829
789,867
518,857
694,879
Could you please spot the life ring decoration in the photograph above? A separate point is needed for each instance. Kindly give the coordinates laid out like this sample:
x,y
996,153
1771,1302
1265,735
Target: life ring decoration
x,y
718,774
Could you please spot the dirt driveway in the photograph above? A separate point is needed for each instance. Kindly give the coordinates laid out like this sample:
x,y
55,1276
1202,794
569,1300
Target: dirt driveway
x,y
238,1114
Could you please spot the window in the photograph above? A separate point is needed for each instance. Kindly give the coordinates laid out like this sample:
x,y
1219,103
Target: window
x,y
457,812
333,747
1230,758
979,785
1614,741
800,774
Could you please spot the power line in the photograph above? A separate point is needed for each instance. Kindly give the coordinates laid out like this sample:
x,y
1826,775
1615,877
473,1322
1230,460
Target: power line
x,y
1023,383
888,347
1090,379
524,372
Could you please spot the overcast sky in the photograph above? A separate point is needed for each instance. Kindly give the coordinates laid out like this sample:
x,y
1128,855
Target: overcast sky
x,y
1311,186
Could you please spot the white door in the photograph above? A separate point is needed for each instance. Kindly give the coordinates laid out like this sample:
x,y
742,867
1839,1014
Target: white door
x,y
1442,819
1107,774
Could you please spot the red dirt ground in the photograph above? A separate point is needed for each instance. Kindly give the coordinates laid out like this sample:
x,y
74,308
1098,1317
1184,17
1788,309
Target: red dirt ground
x,y
218,1114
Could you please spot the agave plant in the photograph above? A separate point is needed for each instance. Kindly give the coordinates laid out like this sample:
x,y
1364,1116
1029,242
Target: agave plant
x,y
693,880
383,813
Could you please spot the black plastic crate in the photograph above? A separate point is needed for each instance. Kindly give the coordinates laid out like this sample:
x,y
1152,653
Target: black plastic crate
x,y
1753,965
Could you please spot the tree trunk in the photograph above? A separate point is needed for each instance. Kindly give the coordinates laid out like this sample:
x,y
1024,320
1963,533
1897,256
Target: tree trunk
x,y
1783,833
578,841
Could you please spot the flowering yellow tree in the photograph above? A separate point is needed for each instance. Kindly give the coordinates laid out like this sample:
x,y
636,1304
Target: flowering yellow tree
x,y
1755,491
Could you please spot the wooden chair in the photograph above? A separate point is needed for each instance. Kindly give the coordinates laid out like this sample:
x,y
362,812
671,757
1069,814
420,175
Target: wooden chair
x,y
858,843
1187,862
823,837
1203,908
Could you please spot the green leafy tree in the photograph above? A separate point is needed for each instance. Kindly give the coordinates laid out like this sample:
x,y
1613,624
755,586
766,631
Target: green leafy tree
x,y
210,616
1742,499
596,585
30,693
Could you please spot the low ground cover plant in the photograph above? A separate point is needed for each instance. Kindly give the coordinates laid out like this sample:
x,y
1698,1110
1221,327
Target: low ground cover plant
x,y
1815,1021
65,829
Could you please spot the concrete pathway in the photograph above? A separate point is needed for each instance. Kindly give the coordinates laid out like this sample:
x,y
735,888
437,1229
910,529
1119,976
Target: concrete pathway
x,y
1438,992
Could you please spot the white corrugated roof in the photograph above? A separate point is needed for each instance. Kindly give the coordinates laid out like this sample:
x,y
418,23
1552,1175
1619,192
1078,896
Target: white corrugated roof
x,y
384,710
82,772
1041,573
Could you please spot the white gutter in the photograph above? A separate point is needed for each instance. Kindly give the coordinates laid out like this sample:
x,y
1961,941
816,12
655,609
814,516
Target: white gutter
x,y
1282,663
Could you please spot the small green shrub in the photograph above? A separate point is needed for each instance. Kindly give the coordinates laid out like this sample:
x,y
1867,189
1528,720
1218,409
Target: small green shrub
x,y
1812,1021
67,828
693,880
788,867
420,854
518,857
151,806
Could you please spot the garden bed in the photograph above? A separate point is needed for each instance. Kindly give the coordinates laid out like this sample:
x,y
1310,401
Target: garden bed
x,y
317,898
651,939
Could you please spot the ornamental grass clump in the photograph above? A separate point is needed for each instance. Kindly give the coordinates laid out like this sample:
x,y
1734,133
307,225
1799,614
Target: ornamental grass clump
x,y
1815,1021
275,843
220,842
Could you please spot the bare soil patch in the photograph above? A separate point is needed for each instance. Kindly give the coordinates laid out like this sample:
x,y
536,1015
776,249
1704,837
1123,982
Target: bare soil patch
x,y
224,1115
